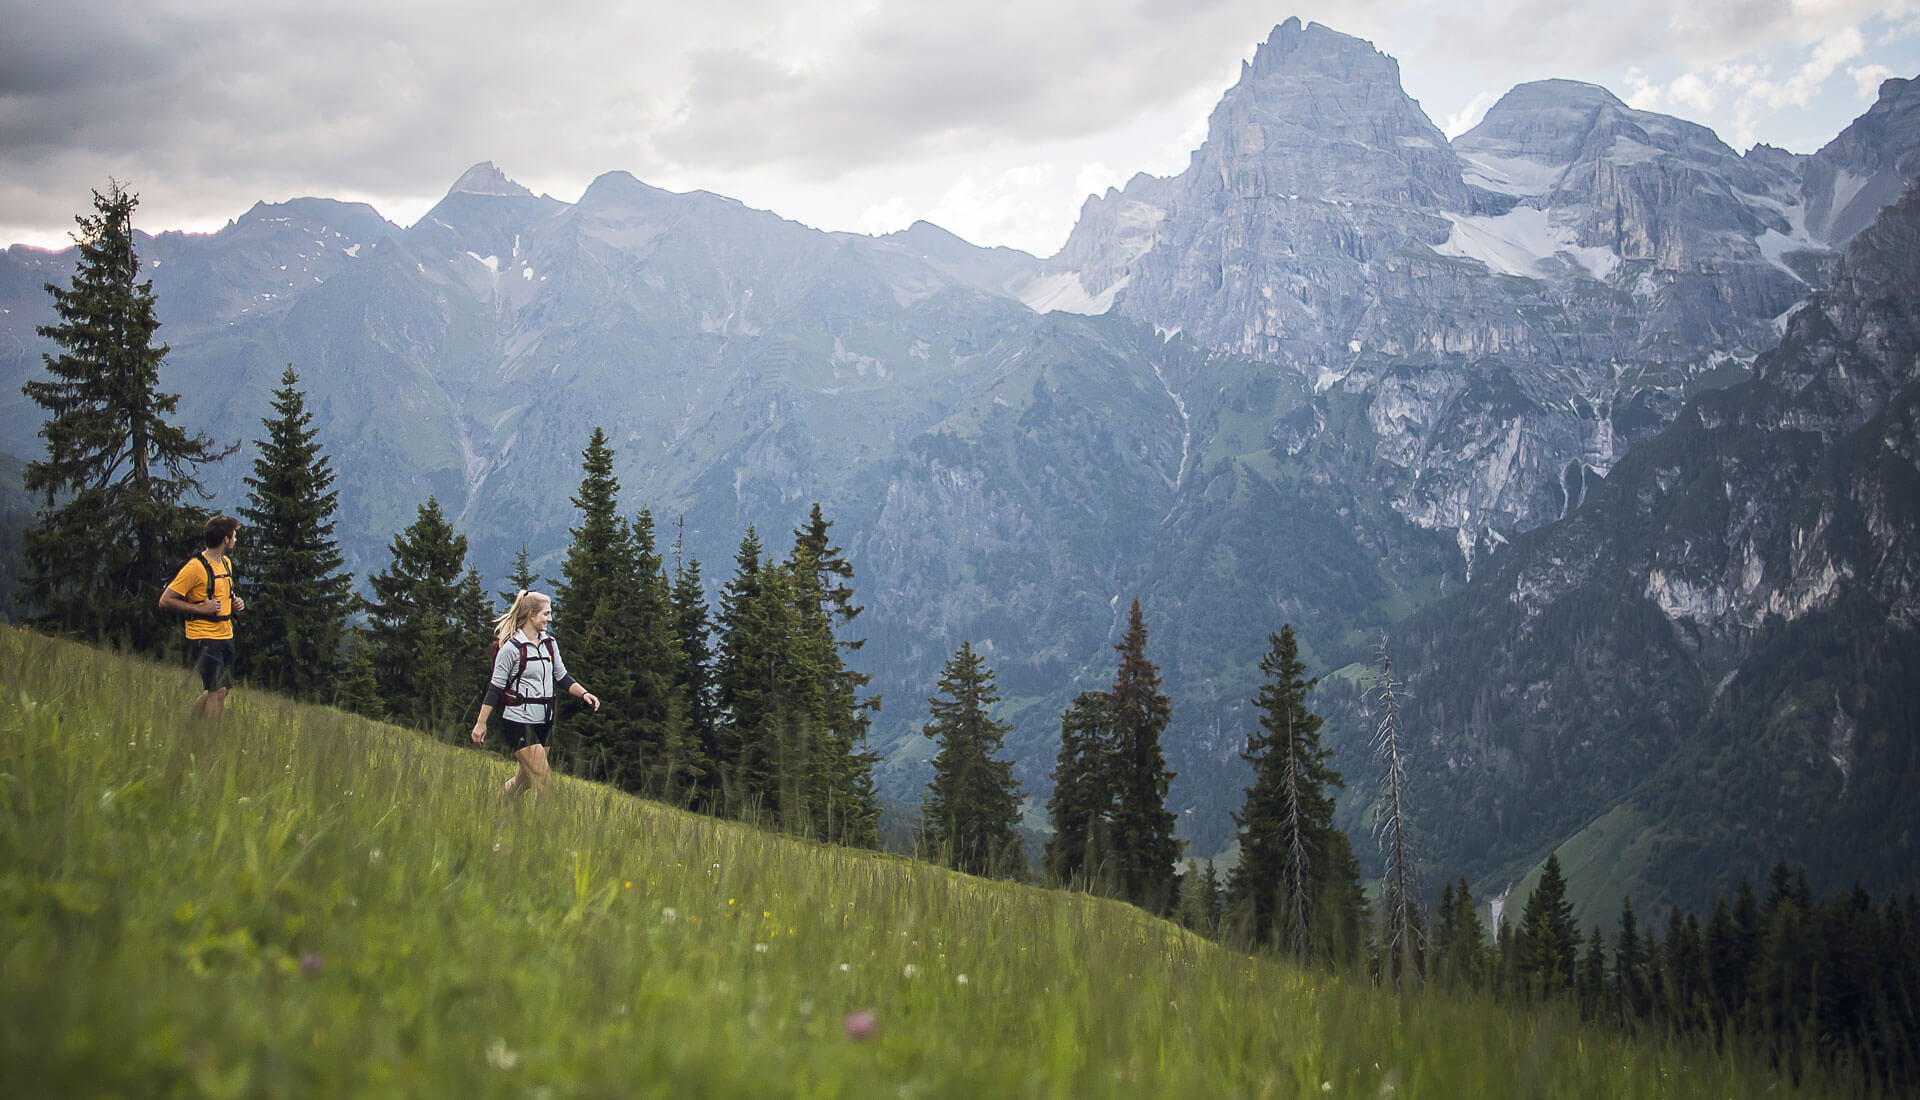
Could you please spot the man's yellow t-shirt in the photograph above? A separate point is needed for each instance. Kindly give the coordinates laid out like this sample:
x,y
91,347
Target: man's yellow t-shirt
x,y
190,584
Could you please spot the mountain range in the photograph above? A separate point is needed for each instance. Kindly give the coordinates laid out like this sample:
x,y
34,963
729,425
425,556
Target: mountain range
x,y
1341,372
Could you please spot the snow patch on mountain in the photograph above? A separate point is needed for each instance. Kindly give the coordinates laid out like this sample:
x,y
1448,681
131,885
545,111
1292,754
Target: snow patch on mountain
x,y
1065,293
1522,176
1519,241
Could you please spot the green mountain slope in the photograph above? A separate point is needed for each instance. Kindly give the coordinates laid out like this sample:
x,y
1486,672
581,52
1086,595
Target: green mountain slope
x,y
303,904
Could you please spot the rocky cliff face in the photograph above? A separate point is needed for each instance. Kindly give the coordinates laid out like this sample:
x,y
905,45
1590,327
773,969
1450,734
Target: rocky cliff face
x,y
1520,305
1709,666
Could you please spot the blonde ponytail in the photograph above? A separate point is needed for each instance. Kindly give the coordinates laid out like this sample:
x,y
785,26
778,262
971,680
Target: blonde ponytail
x,y
526,604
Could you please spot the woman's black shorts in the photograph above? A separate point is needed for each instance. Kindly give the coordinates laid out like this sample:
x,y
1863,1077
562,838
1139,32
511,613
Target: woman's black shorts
x,y
521,734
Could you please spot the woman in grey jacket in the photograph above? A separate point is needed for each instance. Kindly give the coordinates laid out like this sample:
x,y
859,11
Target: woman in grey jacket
x,y
528,675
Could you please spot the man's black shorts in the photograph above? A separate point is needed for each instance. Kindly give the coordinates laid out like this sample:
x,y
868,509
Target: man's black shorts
x,y
214,658
519,734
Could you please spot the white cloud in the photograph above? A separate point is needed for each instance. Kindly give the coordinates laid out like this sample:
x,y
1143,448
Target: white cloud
x,y
887,217
1868,78
1466,118
1007,208
1094,179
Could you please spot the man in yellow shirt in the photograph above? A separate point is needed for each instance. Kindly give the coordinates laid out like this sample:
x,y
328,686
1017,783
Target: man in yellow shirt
x,y
203,592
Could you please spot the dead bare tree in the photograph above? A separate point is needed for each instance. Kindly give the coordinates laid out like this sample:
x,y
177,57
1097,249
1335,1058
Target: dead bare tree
x,y
1403,931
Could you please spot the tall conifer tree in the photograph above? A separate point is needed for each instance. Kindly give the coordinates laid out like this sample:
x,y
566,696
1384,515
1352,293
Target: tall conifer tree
x,y
1297,883
521,579
112,525
595,619
1081,806
842,801
672,760
300,596
1548,939
969,819
1144,845
428,627
695,678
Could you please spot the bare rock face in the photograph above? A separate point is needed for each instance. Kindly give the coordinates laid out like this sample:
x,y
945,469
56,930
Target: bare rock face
x,y
1521,305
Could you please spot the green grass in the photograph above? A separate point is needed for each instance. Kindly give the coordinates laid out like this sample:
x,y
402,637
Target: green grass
x,y
301,903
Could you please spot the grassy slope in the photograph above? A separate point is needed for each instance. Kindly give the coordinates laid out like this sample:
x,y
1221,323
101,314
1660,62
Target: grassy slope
x,y
161,884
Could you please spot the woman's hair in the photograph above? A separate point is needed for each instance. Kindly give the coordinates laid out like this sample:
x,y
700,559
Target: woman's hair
x,y
526,604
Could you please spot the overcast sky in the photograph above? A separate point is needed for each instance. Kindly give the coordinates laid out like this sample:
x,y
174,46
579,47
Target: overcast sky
x,y
993,119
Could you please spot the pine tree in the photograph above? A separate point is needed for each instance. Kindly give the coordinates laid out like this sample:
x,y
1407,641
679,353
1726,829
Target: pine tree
x,y
1081,807
673,760
1592,980
695,678
596,606
1210,887
1297,883
300,597
1630,980
112,526
522,579
970,816
428,630
744,670
1143,843
1459,938
843,802
1549,940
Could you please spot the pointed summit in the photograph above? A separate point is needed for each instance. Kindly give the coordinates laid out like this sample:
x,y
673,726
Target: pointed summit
x,y
485,179
1320,114
1314,50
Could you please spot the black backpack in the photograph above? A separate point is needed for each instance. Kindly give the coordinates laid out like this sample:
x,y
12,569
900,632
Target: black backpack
x,y
227,612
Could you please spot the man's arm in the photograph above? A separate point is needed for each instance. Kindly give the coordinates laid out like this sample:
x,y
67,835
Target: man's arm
x,y
173,601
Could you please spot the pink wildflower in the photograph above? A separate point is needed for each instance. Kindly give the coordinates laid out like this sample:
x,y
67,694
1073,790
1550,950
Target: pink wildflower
x,y
860,1026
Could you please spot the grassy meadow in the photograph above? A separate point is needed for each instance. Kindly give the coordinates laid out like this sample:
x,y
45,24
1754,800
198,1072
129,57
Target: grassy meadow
x,y
303,903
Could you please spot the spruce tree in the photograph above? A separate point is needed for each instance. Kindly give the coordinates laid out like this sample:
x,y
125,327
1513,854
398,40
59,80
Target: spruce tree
x,y
1549,940
1081,807
1144,845
1459,938
521,579
969,819
1592,979
112,525
299,595
1296,885
695,679
428,629
1630,953
744,669
674,763
594,617
843,802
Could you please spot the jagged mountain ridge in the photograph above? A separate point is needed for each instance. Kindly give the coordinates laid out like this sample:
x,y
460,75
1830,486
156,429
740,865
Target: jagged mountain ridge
x,y
1709,666
1563,275
997,474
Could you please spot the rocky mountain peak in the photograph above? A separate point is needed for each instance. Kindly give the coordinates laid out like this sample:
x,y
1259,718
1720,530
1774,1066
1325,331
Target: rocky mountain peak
x,y
1320,114
1313,50
1559,122
485,179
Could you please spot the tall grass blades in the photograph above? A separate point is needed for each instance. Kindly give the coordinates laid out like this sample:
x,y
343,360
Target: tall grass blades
x,y
302,903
